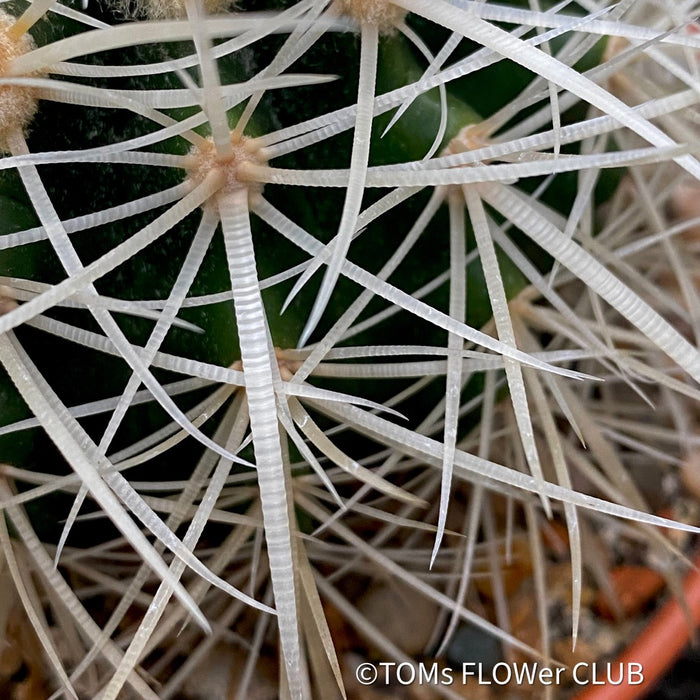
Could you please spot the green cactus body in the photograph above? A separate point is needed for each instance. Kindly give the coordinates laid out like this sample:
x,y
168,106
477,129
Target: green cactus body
x,y
81,188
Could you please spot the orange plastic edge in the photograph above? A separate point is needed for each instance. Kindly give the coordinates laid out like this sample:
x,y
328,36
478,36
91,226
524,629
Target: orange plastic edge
x,y
657,647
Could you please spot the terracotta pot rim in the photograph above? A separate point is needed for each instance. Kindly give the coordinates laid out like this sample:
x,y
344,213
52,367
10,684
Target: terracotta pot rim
x,y
658,646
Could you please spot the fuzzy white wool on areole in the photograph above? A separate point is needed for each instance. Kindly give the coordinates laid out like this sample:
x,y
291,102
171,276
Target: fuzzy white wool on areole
x,y
382,14
18,103
246,152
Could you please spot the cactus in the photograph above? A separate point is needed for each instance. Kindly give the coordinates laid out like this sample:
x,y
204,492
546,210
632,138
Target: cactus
x,y
287,284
